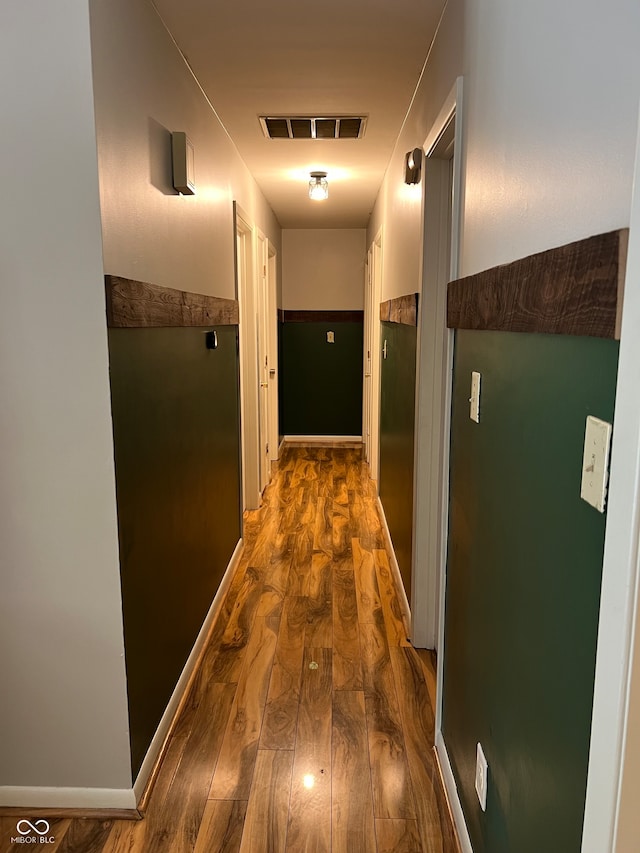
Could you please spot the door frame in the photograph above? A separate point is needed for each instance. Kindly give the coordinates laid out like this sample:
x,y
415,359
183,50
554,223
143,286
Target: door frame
x,y
620,595
262,358
272,338
249,408
372,336
366,360
441,213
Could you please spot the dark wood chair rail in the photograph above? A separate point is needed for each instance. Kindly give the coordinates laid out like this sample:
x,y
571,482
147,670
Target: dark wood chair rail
x,y
571,290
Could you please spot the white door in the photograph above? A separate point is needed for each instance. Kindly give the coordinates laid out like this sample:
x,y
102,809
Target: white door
x,y
371,359
249,382
272,347
441,177
262,327
366,387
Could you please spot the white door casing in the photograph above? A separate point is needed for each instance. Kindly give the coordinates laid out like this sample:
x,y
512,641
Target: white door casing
x,y
371,382
620,575
262,366
272,335
366,359
441,217
249,409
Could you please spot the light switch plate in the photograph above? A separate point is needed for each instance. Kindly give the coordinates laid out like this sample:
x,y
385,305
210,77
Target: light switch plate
x,y
481,777
331,337
474,399
595,462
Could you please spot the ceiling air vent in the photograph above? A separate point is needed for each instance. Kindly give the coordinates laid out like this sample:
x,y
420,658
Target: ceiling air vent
x,y
311,127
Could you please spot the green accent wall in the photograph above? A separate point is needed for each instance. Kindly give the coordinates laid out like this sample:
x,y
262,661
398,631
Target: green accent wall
x,y
397,417
523,584
177,452
321,383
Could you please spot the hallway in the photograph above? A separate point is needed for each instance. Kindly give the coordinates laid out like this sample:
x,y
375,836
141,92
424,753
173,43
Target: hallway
x,y
309,726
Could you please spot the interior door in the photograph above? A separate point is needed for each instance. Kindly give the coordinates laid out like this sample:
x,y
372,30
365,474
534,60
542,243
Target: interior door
x,y
262,326
367,385
249,402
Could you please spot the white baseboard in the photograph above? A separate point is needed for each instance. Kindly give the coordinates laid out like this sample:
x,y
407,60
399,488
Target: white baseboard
x,y
452,794
318,439
164,727
67,798
395,568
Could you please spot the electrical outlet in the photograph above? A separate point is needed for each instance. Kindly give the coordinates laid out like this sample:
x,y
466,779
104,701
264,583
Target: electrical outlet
x,y
481,777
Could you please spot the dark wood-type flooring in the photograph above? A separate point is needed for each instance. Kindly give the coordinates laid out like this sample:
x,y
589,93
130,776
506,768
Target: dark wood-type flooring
x,y
309,724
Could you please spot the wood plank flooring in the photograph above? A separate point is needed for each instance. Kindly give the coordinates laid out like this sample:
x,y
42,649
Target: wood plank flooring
x,y
309,725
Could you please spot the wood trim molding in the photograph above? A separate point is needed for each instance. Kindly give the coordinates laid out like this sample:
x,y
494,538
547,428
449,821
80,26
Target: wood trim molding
x,y
136,304
402,309
322,317
572,290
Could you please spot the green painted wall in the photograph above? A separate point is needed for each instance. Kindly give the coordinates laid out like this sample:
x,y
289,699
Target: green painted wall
x,y
397,414
523,585
177,452
321,383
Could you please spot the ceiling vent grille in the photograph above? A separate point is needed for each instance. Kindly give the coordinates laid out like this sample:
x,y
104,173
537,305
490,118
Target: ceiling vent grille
x,y
311,127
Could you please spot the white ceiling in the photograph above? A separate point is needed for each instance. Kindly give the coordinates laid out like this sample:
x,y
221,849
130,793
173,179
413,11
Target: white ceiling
x,y
292,57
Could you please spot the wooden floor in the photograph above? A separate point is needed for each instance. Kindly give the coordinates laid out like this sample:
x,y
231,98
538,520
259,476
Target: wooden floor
x,y
309,726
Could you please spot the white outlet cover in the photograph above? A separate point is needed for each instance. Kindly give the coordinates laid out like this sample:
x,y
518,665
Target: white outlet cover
x,y
482,770
595,462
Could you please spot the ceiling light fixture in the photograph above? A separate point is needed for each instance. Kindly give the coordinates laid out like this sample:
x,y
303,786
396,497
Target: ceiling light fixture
x,y
413,166
318,186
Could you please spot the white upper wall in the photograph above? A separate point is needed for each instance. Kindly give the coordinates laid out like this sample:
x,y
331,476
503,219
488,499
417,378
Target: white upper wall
x,y
63,716
550,111
398,209
144,91
551,108
323,269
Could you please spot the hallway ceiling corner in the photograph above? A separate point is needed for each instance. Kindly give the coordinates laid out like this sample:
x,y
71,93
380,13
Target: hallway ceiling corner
x,y
359,58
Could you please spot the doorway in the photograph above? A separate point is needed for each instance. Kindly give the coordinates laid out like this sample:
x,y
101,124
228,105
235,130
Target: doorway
x,y
441,195
256,291
267,356
272,337
262,303
371,372
249,401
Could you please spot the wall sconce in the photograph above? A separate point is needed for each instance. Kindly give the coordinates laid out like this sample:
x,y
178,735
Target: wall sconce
x,y
184,177
413,166
318,186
